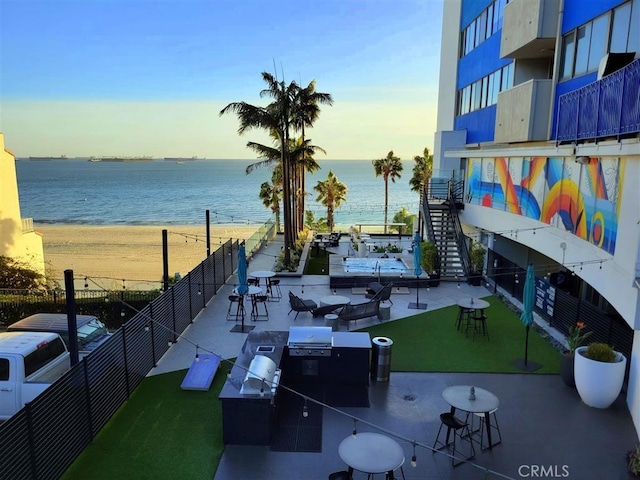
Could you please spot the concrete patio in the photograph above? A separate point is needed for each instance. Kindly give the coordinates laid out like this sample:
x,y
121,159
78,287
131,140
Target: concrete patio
x,y
546,430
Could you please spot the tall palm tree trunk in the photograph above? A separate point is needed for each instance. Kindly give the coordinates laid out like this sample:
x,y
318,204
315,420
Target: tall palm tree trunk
x,y
386,202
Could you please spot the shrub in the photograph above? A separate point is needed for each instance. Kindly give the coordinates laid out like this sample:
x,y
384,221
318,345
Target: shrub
x,y
600,352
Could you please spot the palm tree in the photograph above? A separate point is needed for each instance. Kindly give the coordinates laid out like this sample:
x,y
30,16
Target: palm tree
x,y
271,158
271,194
307,112
276,118
422,171
282,116
331,193
389,168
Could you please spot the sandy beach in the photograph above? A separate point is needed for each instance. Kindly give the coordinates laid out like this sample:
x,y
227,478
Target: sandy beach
x,y
108,254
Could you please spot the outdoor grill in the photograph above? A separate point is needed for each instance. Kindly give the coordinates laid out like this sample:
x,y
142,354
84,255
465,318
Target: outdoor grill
x,y
310,341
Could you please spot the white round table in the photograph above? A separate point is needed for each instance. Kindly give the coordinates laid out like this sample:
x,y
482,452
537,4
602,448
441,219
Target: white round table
x,y
458,397
334,300
260,274
371,452
473,303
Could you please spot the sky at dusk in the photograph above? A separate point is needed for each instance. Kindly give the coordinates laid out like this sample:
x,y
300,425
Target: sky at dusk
x,y
142,77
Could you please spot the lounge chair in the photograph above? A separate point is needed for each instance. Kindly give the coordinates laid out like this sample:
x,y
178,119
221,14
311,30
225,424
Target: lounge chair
x,y
299,305
381,292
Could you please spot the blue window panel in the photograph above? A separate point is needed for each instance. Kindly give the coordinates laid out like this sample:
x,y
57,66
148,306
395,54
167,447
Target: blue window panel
x,y
481,62
480,125
578,12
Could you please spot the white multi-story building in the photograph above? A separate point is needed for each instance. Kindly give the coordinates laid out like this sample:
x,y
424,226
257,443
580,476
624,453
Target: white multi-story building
x,y
539,118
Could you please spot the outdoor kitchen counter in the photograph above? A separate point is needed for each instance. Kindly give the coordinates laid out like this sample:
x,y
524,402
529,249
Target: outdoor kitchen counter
x,y
247,419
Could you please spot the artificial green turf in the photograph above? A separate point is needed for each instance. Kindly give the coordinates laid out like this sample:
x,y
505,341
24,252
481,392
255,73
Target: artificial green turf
x,y
317,263
161,432
430,342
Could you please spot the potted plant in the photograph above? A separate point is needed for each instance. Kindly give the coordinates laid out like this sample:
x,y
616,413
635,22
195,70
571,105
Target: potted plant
x,y
477,252
576,336
429,262
599,374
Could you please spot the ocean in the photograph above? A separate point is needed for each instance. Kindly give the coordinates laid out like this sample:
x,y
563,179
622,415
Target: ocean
x,y
159,192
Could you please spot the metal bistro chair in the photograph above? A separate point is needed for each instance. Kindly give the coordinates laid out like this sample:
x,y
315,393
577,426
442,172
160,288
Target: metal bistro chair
x,y
459,429
273,289
239,308
258,300
299,305
495,427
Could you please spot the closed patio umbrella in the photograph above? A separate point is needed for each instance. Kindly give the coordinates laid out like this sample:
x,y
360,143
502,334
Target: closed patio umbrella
x,y
528,302
243,286
417,271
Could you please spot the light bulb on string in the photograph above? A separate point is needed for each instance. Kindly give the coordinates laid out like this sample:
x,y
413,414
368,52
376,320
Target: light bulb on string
x,y
123,285
354,432
86,283
305,409
414,459
197,359
122,314
262,388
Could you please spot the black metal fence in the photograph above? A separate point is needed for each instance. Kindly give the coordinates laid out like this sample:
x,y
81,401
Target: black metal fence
x,y
565,309
44,438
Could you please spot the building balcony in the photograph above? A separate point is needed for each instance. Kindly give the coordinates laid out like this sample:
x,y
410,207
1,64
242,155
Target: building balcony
x,y
609,107
27,225
523,112
529,29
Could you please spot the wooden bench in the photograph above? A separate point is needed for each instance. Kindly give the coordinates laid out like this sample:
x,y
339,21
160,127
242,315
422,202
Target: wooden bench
x,y
201,373
358,311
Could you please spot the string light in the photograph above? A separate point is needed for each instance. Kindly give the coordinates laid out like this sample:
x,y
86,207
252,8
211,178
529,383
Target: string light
x,y
123,285
122,313
197,359
354,432
86,283
262,388
305,409
414,459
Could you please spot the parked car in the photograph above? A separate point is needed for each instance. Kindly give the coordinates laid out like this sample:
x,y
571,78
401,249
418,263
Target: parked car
x,y
29,363
91,331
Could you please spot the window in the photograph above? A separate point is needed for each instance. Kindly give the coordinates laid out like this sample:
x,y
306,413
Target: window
x,y
490,30
4,369
483,93
599,38
616,31
471,36
620,28
582,49
567,56
485,25
43,355
633,43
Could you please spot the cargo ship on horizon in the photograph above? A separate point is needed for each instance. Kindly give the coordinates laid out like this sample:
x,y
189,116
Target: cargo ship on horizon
x,y
47,159
180,159
120,159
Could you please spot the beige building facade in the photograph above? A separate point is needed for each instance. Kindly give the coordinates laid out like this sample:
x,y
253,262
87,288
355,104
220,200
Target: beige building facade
x,y
18,239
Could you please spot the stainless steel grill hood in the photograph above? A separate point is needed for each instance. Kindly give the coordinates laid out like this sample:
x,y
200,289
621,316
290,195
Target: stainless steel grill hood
x,y
310,341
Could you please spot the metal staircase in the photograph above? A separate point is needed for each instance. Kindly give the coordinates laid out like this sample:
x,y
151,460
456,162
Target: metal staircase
x,y
440,205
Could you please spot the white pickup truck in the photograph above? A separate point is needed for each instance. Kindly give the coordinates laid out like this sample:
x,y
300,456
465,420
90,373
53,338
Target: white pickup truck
x,y
29,363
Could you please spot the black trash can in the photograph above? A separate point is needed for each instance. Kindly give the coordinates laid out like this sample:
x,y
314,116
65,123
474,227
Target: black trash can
x,y
381,359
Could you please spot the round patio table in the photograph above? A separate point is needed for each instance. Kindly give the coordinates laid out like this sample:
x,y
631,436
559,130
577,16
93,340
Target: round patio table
x,y
371,453
484,402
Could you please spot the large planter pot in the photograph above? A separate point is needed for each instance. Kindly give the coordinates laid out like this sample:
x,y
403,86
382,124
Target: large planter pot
x,y
566,369
598,383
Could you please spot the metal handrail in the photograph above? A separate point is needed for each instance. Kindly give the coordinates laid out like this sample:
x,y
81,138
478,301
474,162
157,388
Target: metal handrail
x,y
463,248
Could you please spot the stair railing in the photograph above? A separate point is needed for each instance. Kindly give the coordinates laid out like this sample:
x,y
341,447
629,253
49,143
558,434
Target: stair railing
x,y
463,247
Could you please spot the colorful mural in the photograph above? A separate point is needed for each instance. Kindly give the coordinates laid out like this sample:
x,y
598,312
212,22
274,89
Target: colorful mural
x,y
583,199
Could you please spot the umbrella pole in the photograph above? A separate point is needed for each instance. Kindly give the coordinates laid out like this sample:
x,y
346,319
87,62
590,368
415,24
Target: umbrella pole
x,y
418,305
526,346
